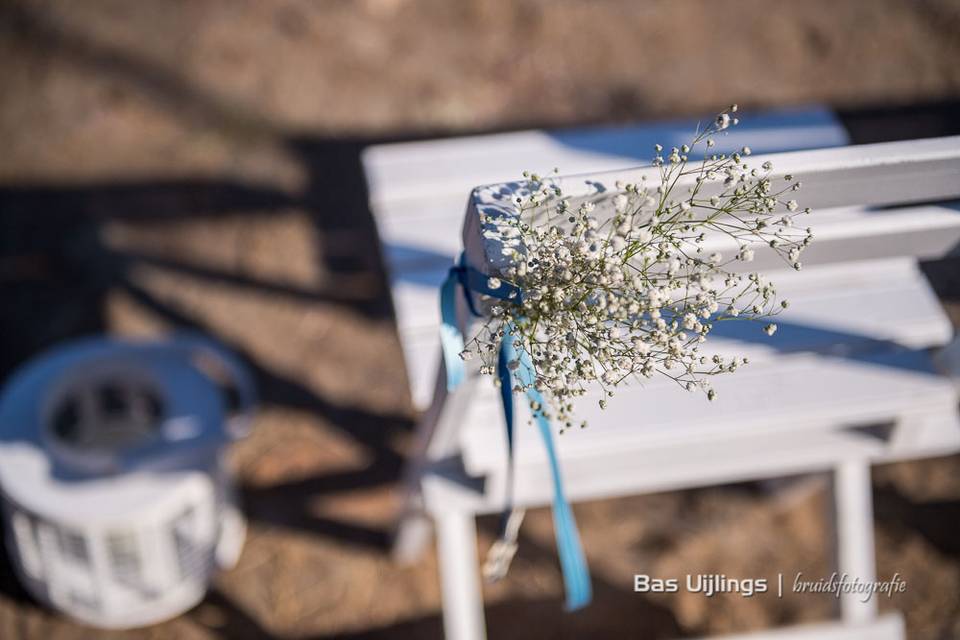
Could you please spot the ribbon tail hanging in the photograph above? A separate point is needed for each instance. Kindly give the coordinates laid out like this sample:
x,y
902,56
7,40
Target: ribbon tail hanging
x,y
573,563
505,548
515,362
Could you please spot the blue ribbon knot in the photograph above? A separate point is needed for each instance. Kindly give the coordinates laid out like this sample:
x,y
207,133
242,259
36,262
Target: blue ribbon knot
x,y
576,576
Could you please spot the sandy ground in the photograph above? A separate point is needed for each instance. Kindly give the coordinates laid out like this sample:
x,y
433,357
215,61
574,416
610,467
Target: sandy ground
x,y
195,164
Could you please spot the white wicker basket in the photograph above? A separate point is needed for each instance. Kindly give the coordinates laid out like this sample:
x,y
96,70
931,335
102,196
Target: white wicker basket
x,y
117,504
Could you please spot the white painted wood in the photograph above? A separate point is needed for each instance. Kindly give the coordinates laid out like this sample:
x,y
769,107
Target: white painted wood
x,y
841,235
420,249
834,309
656,468
676,465
804,392
430,239
883,300
890,173
847,357
411,170
437,436
855,551
887,627
459,576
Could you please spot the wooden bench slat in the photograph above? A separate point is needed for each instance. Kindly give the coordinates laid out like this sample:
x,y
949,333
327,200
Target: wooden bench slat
x,y
849,234
890,173
799,393
867,306
636,467
431,240
654,468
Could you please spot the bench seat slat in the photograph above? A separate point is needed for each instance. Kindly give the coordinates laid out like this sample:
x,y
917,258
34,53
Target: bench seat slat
x,y
796,394
630,470
656,468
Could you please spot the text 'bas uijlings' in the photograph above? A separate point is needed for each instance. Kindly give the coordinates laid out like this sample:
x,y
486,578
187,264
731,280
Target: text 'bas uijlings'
x,y
706,584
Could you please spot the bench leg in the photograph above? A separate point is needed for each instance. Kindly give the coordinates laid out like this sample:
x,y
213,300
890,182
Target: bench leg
x,y
436,439
855,551
459,576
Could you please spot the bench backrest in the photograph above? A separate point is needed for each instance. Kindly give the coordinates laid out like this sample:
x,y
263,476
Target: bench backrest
x,y
892,173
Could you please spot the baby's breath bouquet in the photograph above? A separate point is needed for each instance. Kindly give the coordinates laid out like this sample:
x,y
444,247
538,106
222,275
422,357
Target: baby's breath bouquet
x,y
623,284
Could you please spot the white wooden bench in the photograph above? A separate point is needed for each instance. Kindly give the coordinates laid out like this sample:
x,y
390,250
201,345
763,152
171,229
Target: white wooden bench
x,y
847,381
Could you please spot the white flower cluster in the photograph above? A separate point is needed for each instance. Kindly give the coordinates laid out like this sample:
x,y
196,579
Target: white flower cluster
x,y
633,293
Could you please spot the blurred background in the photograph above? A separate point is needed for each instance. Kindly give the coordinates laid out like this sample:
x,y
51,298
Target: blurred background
x,y
195,164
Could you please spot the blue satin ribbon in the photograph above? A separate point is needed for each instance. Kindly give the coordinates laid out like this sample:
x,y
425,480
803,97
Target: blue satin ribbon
x,y
576,576
468,280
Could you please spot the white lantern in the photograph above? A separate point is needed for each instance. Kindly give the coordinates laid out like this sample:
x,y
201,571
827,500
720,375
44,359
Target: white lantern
x,y
117,504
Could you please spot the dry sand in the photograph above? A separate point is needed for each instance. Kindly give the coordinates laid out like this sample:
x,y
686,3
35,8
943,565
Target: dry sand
x,y
195,164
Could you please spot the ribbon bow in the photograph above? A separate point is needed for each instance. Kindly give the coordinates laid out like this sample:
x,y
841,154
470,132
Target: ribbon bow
x,y
576,576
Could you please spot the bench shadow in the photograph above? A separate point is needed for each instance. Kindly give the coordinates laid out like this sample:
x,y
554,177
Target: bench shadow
x,y
936,520
56,267
544,618
516,618
541,617
54,264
